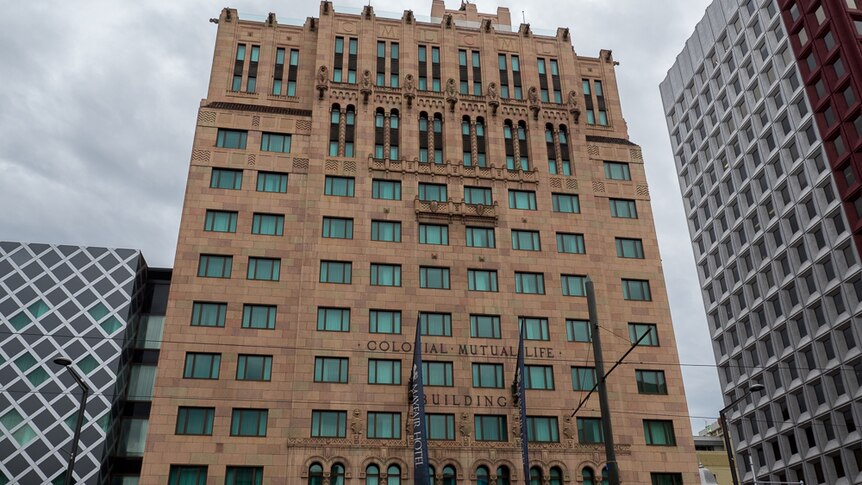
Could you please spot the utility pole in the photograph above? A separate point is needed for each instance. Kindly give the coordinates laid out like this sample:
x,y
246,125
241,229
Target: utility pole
x,y
607,429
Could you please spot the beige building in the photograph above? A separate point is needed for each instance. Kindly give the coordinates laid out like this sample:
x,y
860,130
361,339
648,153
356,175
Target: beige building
x,y
356,173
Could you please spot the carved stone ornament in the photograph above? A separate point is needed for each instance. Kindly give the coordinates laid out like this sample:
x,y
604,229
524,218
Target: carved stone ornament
x,y
409,89
493,98
322,80
574,108
535,103
451,94
365,87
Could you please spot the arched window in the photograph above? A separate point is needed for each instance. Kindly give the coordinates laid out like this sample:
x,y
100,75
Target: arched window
x,y
503,477
349,130
334,121
565,163
588,476
449,475
481,146
522,145
372,475
605,475
423,137
438,138
379,128
393,475
509,144
465,141
483,476
315,474
432,473
556,476
536,476
394,130
337,474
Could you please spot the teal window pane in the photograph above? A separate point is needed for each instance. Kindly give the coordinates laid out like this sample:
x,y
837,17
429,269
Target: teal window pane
x,y
488,376
542,429
25,362
578,331
385,275
570,243
275,142
630,248
435,324
202,366
534,328
254,368
384,425
213,266
637,330
526,240
436,278
490,428
142,380
272,182
388,231
195,421
386,372
485,326
336,272
259,316
659,432
567,203
220,221
333,319
522,200
330,369
187,475
637,290
263,269
231,138
268,224
433,234
226,179
480,237
384,321
38,376
651,382
590,431
440,426
328,424
386,189
88,364
617,171
437,374
574,285
248,422
478,195
432,192
339,186
530,283
244,475
337,228
583,378
481,280
623,208
539,377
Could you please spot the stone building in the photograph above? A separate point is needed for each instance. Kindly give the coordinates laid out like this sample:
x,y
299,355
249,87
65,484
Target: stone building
x,y
357,175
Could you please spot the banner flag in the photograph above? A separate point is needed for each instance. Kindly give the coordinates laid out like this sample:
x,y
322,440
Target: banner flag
x,y
417,414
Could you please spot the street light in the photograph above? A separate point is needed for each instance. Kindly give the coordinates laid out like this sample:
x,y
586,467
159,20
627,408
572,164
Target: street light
x,y
726,432
67,363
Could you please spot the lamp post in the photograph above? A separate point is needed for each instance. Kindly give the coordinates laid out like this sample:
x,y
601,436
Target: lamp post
x,y
85,391
726,432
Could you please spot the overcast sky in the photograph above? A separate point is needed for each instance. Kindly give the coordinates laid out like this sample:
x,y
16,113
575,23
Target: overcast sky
x,y
100,97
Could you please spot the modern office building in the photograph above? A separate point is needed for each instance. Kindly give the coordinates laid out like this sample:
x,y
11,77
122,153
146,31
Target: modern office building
x,y
362,173
103,310
772,211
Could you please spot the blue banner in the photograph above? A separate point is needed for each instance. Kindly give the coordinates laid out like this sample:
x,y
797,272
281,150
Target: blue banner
x,y
518,388
417,414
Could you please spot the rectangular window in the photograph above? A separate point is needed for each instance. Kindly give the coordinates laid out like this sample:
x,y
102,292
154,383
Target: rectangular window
x,y
478,196
617,171
267,224
187,475
583,378
590,431
259,316
214,266
636,290
328,424
480,237
333,319
201,366
435,324
651,381
659,432
434,234
666,478
338,186
630,248
522,200
539,377
206,314
437,374
223,178
195,421
388,231
254,367
623,208
272,182
434,277
275,142
244,475
491,428
231,138
292,72
220,221
481,280
574,285
440,426
336,272
526,240
536,328
488,376
386,189
578,331
570,243
330,369
384,426
432,192
530,283
485,326
637,330
384,372
337,228
239,63
542,429
384,321
264,269
566,203
385,274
